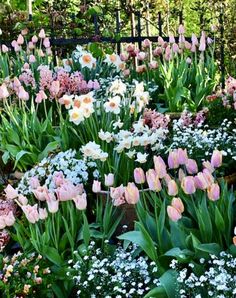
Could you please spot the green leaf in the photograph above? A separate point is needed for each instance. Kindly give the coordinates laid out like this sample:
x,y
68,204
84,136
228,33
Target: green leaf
x,y
49,148
158,292
19,155
168,281
5,157
212,248
52,254
86,231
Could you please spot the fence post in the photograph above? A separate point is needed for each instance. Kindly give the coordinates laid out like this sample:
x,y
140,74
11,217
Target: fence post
x,y
29,7
118,30
222,46
159,23
181,17
52,40
139,30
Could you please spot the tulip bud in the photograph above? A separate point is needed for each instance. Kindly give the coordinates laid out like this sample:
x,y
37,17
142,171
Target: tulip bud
x,y
131,193
109,179
173,213
4,48
20,40
34,39
32,59
96,188
153,181
177,204
43,213
3,91
216,159
160,166
173,161
22,94
10,192
172,188
42,34
81,201
191,166
181,29
171,38
52,203
213,192
188,185
139,176
182,156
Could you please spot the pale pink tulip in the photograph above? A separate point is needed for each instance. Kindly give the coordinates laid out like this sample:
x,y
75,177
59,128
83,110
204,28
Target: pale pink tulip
x,y
117,192
175,48
139,176
146,43
160,166
141,56
126,72
153,65
187,45
191,166
216,159
32,59
34,182
3,91
181,29
182,156
81,201
157,51
34,39
41,193
22,200
52,203
20,40
46,42
68,191
202,46
173,161
11,193
153,181
160,41
22,94
96,187
31,45
208,176
200,181
172,188
194,40
2,222
181,175
58,179
4,49
177,204
188,60
10,219
188,185
213,192
31,213
131,193
171,38
109,179
207,165
167,178
42,34
43,213
173,213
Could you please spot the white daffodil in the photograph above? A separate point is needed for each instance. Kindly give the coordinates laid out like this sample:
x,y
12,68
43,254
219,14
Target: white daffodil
x,y
113,105
87,60
118,87
141,157
67,101
76,115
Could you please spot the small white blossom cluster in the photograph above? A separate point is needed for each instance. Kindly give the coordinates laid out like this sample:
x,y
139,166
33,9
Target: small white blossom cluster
x,y
136,140
93,151
202,141
75,170
218,281
118,275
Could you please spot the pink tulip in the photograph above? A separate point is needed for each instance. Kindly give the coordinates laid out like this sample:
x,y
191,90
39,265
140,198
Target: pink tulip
x,y
216,159
181,40
24,31
3,91
173,213
43,213
96,188
157,51
181,175
2,222
207,165
160,41
81,201
139,176
187,45
182,156
124,57
213,192
173,161
41,53
168,53
34,182
46,43
188,60
201,181
10,219
160,166
130,47
11,193
172,188
58,179
194,40
22,94
42,34
181,29
41,193
146,43
4,49
31,45
171,38
16,84
68,191
153,65
153,181
191,166
31,213
131,193
52,203
117,192
32,59
202,46
193,48
188,185
109,179
141,56
167,178
126,72
208,176
175,48
20,40
22,200
34,39
177,204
